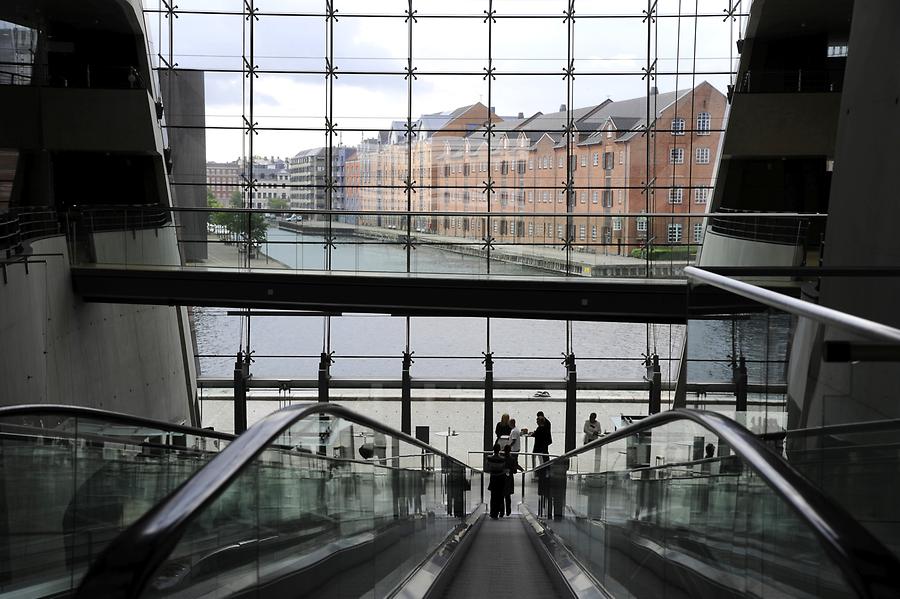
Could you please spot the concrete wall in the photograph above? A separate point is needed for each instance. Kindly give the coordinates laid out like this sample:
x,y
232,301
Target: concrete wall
x,y
862,226
721,250
57,349
184,97
106,120
782,125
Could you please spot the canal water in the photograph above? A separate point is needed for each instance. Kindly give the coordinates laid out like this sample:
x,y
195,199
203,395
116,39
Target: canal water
x,y
370,347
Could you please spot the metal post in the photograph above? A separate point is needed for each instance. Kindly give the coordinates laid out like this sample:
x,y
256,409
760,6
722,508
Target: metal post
x,y
571,401
324,375
488,401
739,374
406,395
241,375
655,377
681,384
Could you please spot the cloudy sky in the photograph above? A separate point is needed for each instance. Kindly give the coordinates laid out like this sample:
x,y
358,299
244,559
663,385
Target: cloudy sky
x,y
449,48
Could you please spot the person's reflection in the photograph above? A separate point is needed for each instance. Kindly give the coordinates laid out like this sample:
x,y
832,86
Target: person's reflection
x,y
456,490
557,473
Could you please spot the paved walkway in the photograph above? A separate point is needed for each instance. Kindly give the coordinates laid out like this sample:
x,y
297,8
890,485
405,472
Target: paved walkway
x,y
501,563
227,256
549,251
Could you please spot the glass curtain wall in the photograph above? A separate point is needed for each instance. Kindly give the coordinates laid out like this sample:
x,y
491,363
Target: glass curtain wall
x,y
553,138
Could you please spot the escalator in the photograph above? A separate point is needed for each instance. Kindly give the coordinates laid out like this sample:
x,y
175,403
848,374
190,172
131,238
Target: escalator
x,y
318,501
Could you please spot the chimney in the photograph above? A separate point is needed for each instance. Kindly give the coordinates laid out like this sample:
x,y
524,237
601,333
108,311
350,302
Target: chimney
x,y
492,110
562,107
521,115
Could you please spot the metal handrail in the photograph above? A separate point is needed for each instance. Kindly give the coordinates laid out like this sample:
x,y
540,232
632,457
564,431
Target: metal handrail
x,y
868,565
127,564
853,324
114,417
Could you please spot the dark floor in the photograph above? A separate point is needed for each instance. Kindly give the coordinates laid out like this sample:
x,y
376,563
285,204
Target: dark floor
x,y
501,563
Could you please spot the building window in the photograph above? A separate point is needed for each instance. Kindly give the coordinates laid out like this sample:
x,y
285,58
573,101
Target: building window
x,y
531,228
544,197
642,224
621,156
837,50
531,164
559,199
678,126
609,160
530,197
676,195
703,123
581,232
607,198
617,223
673,232
596,158
495,226
594,197
676,156
560,165
698,232
559,231
701,195
701,155
582,195
584,160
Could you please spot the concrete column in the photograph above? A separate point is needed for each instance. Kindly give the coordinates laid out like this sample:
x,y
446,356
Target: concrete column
x,y
739,376
655,377
241,376
406,395
571,402
324,376
488,401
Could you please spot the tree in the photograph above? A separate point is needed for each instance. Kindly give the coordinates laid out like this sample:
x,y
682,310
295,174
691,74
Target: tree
x,y
278,204
238,223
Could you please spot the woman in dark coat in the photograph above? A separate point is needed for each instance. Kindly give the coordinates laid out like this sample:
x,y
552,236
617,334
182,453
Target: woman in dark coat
x,y
495,466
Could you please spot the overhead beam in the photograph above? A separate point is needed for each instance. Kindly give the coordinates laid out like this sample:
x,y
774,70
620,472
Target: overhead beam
x,y
570,298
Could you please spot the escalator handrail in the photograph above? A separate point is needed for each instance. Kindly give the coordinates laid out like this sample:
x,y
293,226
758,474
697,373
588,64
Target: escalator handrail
x,y
128,563
108,416
868,565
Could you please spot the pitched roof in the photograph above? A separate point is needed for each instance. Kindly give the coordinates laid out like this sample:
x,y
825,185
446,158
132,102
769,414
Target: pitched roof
x,y
310,152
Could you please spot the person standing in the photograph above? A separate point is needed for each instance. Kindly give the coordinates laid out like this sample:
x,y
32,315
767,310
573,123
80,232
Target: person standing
x,y
495,466
542,438
502,429
592,429
512,466
515,436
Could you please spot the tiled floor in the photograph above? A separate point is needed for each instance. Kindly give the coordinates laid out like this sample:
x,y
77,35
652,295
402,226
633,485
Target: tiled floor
x,y
501,563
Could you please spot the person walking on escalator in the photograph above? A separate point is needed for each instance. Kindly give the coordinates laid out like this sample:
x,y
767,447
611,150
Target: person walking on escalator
x,y
495,467
512,466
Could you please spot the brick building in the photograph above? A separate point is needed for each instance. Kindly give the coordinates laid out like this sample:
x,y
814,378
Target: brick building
x,y
223,179
618,172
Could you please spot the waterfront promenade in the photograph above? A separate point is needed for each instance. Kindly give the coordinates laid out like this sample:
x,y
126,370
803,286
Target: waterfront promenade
x,y
221,255
544,257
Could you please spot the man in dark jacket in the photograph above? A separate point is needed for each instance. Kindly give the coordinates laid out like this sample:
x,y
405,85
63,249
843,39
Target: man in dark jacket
x,y
542,438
